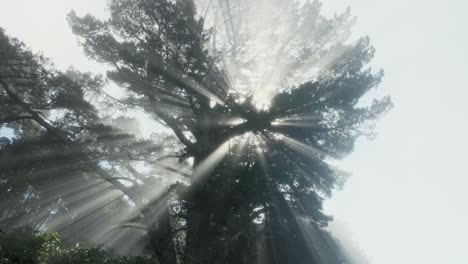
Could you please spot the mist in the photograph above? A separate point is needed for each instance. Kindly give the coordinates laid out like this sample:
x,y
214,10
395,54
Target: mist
x,y
405,193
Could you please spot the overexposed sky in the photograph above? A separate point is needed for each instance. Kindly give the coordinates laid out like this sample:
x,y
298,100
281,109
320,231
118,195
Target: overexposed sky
x,y
42,25
406,200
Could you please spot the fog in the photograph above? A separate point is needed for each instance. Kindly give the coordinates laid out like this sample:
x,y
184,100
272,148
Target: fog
x,y
405,200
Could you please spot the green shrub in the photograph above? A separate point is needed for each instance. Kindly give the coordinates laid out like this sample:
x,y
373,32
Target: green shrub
x,y
27,246
82,254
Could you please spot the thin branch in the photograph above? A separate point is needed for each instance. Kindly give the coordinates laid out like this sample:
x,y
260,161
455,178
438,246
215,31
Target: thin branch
x,y
207,8
181,173
125,179
171,169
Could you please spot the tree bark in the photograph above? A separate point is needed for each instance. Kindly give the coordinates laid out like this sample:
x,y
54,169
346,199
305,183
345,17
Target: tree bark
x,y
162,238
197,248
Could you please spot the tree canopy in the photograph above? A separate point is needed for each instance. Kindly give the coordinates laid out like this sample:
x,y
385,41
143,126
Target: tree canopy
x,y
253,97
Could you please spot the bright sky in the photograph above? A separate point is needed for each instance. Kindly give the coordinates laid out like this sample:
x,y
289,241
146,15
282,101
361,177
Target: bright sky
x,y
406,200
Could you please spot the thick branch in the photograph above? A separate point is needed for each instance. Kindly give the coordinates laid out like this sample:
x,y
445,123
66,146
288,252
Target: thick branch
x,y
11,119
173,124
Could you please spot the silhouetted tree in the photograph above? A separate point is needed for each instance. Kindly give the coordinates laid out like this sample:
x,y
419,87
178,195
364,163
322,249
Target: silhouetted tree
x,y
254,110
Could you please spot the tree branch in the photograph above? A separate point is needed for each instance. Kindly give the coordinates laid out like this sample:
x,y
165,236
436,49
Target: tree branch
x,y
11,119
172,124
62,136
171,169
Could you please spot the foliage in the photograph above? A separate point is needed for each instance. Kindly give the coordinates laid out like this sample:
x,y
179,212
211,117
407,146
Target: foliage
x,y
26,246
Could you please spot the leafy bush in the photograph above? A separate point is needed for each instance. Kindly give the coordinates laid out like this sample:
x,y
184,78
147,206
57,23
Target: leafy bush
x,y
90,255
27,246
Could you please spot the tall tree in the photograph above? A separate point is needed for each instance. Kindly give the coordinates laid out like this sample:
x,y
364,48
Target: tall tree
x,y
255,111
160,51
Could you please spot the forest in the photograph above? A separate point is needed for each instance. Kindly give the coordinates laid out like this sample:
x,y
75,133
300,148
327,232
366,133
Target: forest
x,y
251,101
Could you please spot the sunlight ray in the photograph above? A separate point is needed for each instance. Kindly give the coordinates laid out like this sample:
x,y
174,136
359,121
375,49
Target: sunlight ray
x,y
68,193
298,48
211,161
188,82
306,117
307,150
306,232
296,124
231,121
83,209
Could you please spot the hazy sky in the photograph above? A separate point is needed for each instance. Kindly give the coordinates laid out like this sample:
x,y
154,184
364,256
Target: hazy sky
x,y
406,200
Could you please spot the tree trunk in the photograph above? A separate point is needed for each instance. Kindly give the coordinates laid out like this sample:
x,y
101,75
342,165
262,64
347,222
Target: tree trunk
x,y
198,242
161,238
203,244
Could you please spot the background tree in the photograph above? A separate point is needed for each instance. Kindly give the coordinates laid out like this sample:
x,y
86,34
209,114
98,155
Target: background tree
x,y
254,113
61,164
